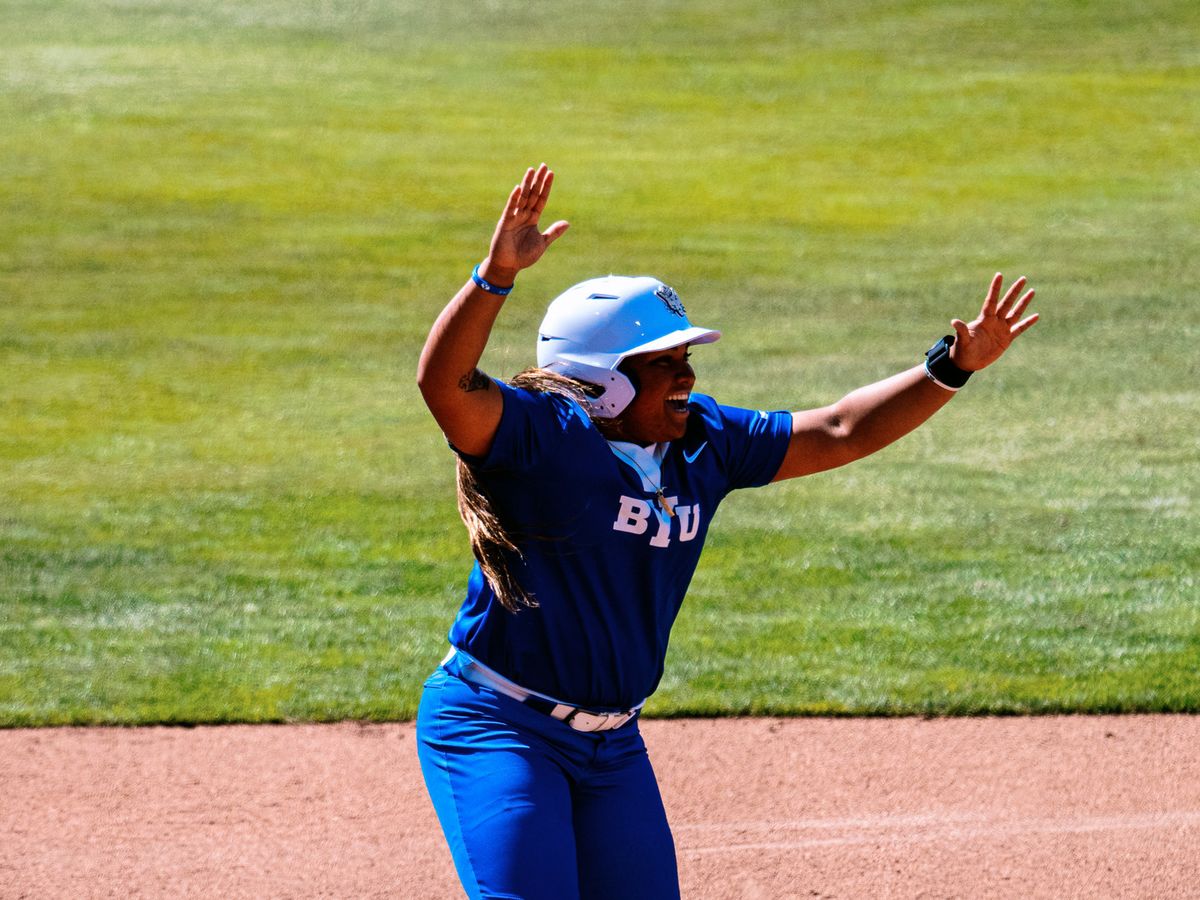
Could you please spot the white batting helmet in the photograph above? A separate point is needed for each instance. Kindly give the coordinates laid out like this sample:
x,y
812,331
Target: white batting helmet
x,y
590,328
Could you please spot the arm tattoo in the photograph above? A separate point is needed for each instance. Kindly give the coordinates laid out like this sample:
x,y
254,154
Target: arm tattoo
x,y
474,381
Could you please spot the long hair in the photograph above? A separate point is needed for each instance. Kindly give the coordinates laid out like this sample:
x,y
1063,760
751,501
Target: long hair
x,y
491,542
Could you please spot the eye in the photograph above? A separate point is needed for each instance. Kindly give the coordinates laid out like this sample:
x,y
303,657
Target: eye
x,y
667,361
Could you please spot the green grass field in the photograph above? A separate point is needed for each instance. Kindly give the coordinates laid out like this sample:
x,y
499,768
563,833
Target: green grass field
x,y
226,227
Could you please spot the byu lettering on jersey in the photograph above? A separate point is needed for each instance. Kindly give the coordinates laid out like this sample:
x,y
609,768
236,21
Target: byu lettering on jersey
x,y
606,560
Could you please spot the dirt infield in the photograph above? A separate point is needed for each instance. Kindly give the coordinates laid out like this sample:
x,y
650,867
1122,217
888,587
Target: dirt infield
x,y
761,808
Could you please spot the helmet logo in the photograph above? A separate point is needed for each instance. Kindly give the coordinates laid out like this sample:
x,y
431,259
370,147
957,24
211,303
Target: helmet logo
x,y
668,296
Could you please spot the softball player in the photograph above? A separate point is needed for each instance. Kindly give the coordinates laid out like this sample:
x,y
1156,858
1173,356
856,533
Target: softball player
x,y
587,486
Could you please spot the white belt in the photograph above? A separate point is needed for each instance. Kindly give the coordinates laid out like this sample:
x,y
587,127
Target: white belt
x,y
472,670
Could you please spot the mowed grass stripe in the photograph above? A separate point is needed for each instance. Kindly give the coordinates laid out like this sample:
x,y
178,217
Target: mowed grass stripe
x,y
224,231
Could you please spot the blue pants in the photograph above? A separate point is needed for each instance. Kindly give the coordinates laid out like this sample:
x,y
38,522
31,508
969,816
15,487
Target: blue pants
x,y
532,808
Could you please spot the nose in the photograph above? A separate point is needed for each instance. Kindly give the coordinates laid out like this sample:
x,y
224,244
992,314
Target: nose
x,y
685,373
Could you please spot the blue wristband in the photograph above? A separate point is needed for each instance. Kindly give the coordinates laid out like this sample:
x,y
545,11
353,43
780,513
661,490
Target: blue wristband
x,y
487,285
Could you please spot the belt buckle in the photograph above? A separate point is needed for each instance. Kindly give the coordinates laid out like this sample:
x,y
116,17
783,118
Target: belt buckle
x,y
582,720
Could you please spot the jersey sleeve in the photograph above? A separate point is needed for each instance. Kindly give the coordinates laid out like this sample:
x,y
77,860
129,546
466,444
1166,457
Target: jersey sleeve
x,y
531,427
752,442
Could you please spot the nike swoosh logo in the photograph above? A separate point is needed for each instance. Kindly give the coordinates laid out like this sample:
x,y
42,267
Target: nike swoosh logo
x,y
692,457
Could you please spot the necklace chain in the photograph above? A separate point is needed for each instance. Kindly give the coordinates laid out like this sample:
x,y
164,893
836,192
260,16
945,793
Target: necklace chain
x,y
658,491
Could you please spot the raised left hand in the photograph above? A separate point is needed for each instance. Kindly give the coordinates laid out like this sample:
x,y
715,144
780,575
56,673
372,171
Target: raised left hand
x,y
984,340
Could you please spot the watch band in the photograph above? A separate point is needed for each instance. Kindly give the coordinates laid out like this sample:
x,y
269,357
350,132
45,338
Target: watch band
x,y
940,370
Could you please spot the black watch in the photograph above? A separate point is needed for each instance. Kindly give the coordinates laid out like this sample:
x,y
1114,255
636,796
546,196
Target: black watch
x,y
940,369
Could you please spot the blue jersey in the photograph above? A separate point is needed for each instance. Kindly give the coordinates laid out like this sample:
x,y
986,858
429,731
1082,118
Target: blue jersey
x,y
607,568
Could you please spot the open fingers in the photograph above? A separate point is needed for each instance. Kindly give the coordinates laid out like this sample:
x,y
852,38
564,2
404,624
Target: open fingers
x,y
532,193
1019,307
519,203
513,204
1023,325
545,180
1010,296
989,303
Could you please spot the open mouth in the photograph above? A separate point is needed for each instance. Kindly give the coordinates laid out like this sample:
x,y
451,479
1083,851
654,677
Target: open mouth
x,y
678,402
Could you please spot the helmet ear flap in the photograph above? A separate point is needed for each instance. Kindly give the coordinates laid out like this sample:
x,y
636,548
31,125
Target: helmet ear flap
x,y
608,391
629,374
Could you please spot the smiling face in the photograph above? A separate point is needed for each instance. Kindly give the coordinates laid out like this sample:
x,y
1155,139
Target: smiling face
x,y
659,411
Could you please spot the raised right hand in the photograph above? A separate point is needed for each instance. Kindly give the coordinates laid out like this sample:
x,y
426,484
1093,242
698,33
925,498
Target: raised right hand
x,y
517,243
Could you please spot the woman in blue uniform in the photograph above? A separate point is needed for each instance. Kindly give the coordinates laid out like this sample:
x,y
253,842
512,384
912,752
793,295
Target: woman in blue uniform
x,y
587,486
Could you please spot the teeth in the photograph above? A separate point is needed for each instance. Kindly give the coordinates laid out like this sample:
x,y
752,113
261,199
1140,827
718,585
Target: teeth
x,y
682,397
